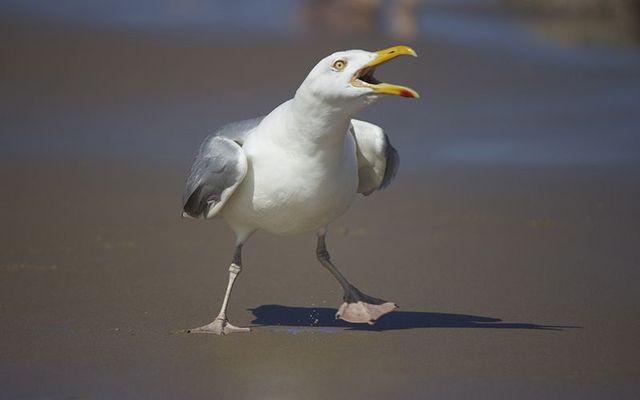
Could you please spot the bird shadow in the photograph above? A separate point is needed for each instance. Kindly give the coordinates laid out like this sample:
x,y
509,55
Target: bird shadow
x,y
322,317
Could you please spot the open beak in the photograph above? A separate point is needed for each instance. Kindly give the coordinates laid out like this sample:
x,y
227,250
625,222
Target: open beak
x,y
364,76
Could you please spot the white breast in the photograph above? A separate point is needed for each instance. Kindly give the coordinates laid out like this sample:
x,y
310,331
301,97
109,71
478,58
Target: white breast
x,y
288,191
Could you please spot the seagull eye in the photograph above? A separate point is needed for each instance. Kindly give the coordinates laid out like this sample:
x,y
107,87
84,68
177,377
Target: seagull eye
x,y
339,65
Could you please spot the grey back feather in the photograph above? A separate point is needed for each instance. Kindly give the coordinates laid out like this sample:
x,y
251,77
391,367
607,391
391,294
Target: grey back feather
x,y
238,131
218,169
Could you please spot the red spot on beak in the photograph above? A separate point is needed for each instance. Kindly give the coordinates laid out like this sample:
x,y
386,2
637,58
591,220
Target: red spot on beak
x,y
406,93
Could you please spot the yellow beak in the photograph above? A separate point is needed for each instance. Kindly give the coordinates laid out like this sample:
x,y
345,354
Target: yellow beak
x,y
387,88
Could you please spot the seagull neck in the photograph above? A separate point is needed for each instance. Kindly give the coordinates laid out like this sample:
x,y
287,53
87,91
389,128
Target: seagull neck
x,y
318,120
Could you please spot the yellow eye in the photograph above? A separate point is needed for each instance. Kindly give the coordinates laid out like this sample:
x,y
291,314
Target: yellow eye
x,y
339,65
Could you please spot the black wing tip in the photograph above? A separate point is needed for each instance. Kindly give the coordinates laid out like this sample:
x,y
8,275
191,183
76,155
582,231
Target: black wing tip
x,y
393,163
194,205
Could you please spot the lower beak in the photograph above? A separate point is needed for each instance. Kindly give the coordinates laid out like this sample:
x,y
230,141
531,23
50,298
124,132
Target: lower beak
x,y
383,56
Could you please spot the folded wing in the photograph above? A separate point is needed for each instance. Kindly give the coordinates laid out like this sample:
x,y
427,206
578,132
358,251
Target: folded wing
x,y
378,160
219,167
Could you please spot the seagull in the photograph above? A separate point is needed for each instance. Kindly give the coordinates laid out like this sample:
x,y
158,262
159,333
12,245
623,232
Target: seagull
x,y
299,168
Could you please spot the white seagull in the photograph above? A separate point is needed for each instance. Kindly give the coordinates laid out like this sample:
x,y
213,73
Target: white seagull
x,y
300,167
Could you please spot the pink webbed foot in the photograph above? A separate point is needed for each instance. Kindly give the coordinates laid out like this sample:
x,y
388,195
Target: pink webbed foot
x,y
361,312
360,308
219,326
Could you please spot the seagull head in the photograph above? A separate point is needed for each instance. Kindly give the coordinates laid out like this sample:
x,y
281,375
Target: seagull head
x,y
346,80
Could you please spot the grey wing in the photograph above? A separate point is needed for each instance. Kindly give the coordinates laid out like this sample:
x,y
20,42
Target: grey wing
x,y
238,131
218,169
378,160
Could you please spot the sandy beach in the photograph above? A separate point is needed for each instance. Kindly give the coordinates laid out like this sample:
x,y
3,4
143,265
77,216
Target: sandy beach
x,y
509,240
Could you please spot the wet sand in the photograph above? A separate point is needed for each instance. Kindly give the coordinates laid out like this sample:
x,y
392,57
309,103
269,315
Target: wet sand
x,y
514,279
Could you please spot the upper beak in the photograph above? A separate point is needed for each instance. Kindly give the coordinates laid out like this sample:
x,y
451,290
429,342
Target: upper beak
x,y
382,56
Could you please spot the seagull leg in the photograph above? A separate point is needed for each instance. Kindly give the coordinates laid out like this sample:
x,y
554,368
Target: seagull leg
x,y
357,307
221,325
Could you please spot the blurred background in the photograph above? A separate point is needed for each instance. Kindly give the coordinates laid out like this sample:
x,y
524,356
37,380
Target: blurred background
x,y
553,82
516,202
